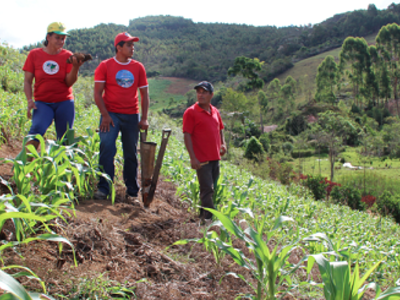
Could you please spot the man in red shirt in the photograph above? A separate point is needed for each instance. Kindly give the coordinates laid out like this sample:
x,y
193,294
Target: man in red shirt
x,y
204,140
117,81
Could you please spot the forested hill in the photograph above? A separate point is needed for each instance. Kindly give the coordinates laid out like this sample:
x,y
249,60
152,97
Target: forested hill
x,y
174,46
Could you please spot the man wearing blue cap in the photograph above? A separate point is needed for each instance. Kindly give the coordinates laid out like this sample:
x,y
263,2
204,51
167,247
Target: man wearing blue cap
x,y
204,140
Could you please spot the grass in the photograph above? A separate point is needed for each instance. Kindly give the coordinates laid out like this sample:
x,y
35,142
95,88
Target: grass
x,y
160,99
377,174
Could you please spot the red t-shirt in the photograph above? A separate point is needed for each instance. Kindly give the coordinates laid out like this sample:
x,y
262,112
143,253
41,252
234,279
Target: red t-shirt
x,y
204,129
122,81
49,72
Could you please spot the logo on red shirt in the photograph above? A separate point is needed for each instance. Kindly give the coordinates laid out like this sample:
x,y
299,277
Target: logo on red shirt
x,y
51,67
124,78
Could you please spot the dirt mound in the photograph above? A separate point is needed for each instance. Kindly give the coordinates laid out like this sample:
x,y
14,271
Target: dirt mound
x,y
125,243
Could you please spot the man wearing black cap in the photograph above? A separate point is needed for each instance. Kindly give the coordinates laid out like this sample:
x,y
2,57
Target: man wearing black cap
x,y
117,81
204,140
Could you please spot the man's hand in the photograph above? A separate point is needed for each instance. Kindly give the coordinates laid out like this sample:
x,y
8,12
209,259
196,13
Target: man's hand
x,y
223,150
106,121
143,124
31,105
195,163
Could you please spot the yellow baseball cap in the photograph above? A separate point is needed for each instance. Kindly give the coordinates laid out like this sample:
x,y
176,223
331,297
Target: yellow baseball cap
x,y
57,27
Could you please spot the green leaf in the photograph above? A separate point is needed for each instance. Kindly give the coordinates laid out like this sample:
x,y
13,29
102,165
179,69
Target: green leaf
x,y
10,285
392,293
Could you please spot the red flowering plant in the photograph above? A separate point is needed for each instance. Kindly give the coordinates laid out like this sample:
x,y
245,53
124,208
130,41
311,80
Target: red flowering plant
x,y
329,186
369,200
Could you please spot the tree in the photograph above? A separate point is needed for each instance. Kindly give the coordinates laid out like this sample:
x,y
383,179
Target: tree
x,y
327,78
248,67
355,52
234,105
263,103
287,96
333,128
388,44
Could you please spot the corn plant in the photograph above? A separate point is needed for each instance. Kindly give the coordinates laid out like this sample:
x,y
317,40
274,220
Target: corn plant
x,y
209,240
269,266
67,169
15,291
341,283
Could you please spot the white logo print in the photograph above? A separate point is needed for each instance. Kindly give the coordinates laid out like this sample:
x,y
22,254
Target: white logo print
x,y
51,67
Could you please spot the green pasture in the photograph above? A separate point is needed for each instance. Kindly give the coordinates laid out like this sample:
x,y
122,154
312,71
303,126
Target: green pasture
x,y
375,175
160,99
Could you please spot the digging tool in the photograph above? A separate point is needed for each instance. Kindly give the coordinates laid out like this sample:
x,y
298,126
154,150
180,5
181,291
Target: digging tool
x,y
149,171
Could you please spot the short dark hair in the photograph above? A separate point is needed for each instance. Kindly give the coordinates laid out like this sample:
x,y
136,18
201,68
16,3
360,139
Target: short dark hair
x,y
46,42
121,44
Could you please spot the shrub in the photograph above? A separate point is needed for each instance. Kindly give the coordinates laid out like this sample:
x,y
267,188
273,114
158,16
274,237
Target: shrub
x,y
303,153
389,205
317,186
254,149
287,147
285,173
265,142
369,200
347,195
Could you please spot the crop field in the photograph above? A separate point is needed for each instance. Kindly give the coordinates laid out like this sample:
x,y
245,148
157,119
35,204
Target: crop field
x,y
267,241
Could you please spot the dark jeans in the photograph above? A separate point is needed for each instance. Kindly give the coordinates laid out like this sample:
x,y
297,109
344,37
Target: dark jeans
x,y
207,175
128,126
63,114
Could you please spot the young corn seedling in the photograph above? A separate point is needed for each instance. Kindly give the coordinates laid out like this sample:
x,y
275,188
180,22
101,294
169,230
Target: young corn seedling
x,y
15,291
340,282
269,266
209,240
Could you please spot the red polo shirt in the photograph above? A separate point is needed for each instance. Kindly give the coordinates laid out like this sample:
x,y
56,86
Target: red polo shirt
x,y
204,129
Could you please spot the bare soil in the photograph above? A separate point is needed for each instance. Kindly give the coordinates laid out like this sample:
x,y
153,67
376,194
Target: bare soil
x,y
179,85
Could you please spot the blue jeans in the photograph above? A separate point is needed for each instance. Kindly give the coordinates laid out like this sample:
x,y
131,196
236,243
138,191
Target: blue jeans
x,y
128,126
63,114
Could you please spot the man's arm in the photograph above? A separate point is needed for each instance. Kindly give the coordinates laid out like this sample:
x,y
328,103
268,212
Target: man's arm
x,y
98,98
145,103
223,144
189,146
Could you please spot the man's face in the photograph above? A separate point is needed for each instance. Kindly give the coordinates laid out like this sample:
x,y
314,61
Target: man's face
x,y
127,49
203,96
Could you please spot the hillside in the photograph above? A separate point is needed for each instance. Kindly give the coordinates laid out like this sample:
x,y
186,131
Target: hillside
x,y
174,46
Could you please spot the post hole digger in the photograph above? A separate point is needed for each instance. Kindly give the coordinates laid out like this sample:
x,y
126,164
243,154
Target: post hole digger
x,y
149,171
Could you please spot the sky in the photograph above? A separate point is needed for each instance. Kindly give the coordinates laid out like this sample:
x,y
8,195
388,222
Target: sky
x,y
24,22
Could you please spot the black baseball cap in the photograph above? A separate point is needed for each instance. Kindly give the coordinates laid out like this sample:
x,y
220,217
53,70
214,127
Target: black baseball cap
x,y
205,85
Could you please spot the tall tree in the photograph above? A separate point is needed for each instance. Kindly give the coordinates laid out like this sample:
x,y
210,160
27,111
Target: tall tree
x,y
327,77
388,44
355,53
